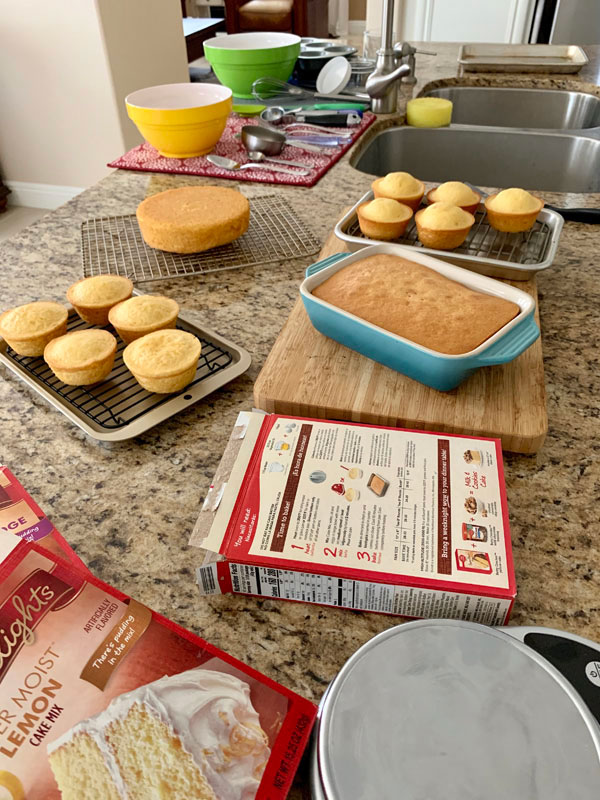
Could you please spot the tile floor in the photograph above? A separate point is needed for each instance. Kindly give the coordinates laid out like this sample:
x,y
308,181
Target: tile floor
x,y
15,218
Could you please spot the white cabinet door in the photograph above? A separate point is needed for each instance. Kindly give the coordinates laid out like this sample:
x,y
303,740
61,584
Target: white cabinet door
x,y
457,20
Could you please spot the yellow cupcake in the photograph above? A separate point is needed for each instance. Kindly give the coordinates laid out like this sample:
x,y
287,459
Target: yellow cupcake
x,y
400,186
143,314
383,218
81,358
92,298
513,210
442,226
29,328
457,194
164,361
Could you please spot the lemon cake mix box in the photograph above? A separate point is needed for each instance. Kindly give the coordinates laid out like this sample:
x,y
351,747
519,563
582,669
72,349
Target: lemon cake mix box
x,y
364,517
100,697
22,518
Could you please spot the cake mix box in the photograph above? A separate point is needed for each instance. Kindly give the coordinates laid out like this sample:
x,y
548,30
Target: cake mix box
x,y
22,518
365,517
102,698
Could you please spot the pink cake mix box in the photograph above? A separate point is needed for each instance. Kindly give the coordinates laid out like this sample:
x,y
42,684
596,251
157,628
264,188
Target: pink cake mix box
x,y
100,697
359,516
20,516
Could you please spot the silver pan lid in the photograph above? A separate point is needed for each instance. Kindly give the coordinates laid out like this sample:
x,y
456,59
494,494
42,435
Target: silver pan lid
x,y
450,709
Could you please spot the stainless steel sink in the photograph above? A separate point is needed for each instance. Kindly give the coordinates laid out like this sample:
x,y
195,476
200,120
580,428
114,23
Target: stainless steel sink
x,y
500,158
521,108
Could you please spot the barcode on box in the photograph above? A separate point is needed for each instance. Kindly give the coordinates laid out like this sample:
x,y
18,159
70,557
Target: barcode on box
x,y
206,578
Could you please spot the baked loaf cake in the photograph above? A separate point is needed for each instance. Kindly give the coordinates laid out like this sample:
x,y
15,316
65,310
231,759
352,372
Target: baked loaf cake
x,y
191,735
193,218
29,328
417,303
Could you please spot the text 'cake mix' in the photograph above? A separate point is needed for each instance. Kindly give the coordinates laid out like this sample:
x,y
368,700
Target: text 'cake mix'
x,y
102,698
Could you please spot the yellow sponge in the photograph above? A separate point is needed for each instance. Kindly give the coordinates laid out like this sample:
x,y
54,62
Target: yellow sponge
x,y
429,112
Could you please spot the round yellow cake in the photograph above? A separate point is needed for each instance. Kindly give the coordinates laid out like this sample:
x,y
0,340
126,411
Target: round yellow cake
x,y
81,358
143,314
193,218
164,361
29,328
92,298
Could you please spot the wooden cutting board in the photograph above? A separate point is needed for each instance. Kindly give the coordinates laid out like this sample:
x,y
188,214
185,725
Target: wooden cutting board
x,y
307,374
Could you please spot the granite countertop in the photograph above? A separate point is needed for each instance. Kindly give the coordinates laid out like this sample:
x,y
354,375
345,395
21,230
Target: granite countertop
x,y
128,509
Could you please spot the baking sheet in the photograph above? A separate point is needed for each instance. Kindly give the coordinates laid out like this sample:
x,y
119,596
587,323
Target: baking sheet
x,y
118,408
522,58
512,256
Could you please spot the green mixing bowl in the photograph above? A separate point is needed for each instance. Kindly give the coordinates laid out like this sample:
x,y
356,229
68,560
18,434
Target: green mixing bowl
x,y
239,59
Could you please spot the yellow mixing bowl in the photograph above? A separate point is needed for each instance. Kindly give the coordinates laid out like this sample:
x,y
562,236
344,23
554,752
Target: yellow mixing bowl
x,y
181,119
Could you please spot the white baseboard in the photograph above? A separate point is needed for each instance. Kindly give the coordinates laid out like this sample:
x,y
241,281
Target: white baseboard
x,y
40,195
356,26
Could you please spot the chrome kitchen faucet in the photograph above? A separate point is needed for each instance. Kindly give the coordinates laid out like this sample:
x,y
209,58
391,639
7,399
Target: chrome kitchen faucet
x,y
382,84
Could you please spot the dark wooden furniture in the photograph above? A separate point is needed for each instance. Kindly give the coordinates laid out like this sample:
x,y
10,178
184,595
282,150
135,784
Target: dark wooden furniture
x,y
303,17
4,192
196,31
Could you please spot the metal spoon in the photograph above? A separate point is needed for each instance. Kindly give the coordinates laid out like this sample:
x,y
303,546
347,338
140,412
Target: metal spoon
x,y
271,142
229,163
288,123
300,129
254,155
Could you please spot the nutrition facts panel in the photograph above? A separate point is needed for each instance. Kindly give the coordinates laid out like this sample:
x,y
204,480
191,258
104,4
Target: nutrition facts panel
x,y
290,585
408,495
365,595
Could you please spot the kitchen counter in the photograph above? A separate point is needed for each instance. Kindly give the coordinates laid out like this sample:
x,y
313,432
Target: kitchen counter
x,y
128,509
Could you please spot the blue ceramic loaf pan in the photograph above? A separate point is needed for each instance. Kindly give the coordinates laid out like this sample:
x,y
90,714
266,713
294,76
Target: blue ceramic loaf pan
x,y
442,372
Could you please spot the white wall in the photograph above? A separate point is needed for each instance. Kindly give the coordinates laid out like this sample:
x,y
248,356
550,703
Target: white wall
x,y
145,46
65,66
57,102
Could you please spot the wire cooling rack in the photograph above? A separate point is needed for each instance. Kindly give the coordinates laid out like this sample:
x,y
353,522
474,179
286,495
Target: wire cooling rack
x,y
515,256
483,240
118,407
115,245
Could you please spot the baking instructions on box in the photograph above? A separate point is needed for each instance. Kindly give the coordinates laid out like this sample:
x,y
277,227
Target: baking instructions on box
x,y
373,503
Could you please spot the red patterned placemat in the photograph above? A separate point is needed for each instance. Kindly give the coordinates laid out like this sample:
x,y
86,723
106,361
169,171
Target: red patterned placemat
x,y
145,158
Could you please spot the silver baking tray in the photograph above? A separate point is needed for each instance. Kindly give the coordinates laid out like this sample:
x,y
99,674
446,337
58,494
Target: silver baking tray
x,y
513,256
118,408
521,57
